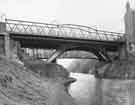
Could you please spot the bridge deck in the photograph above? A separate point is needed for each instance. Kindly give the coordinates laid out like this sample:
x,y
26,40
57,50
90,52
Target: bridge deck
x,y
52,42
54,35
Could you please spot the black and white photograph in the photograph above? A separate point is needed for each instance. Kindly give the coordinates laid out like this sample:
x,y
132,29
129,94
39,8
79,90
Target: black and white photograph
x,y
67,52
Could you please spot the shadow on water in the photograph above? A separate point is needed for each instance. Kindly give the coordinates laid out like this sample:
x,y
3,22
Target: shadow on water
x,y
88,90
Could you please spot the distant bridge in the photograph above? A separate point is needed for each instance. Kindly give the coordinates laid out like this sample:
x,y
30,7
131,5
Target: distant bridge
x,y
62,38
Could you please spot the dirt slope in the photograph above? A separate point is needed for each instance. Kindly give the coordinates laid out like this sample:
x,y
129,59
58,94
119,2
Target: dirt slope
x,y
20,86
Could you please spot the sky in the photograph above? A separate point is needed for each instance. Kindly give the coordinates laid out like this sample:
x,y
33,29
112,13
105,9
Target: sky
x,y
101,14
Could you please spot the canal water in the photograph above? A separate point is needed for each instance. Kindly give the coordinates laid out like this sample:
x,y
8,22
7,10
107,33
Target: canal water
x,y
88,90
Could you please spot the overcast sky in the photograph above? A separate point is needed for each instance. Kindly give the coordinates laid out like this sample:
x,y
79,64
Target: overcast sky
x,y
103,14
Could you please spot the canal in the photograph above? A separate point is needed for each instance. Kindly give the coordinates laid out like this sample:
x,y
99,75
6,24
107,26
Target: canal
x,y
88,90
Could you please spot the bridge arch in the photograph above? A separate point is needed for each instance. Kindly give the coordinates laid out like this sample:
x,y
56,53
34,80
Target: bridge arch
x,y
99,53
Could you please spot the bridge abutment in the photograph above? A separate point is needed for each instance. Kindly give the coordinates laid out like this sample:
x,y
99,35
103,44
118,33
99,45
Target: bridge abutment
x,y
8,46
2,50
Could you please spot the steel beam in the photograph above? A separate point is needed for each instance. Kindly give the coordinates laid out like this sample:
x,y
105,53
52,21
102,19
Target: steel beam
x,y
55,55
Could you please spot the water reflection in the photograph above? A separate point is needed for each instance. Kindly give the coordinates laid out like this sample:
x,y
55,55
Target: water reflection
x,y
83,90
88,90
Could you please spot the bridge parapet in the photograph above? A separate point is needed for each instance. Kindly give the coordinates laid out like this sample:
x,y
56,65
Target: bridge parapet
x,y
60,30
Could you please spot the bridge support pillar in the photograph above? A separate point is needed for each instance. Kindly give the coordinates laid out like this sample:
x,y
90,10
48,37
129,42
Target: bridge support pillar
x,y
10,47
7,45
2,50
14,49
123,52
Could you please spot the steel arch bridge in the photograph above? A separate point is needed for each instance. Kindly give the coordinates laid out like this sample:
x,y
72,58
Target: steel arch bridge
x,y
61,30
63,37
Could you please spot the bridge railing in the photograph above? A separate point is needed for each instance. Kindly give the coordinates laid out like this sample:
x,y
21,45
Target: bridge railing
x,y
60,30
